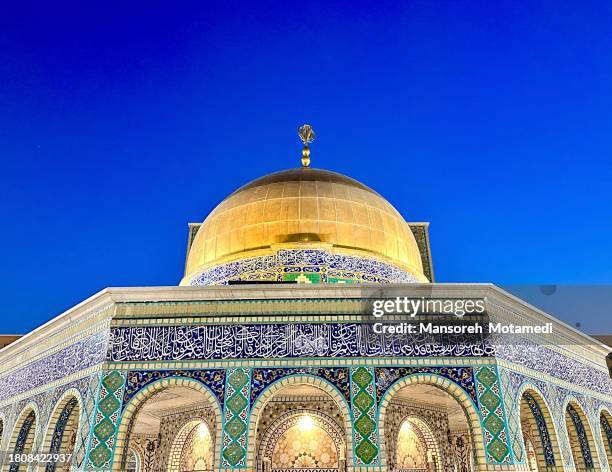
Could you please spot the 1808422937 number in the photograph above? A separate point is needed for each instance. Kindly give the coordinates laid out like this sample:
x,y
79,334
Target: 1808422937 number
x,y
39,458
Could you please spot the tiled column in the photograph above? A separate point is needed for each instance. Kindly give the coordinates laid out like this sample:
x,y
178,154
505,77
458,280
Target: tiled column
x,y
365,417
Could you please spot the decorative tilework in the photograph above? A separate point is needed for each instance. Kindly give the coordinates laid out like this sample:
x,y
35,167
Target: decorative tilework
x,y
58,432
510,386
318,262
536,411
607,430
235,416
274,341
78,356
365,416
542,359
582,437
46,402
279,440
22,438
107,417
462,376
302,277
212,378
492,416
555,396
88,387
262,378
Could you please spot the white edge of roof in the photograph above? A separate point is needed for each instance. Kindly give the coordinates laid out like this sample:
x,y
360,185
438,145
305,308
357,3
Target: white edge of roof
x,y
112,295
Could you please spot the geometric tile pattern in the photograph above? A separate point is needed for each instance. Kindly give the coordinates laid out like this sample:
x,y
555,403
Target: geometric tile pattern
x,y
549,456
88,387
365,416
582,437
492,416
511,383
235,417
107,416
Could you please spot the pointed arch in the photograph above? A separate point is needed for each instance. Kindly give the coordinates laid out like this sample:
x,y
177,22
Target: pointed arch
x,y
451,388
605,427
178,444
534,411
293,418
130,413
423,431
24,434
63,426
298,379
579,433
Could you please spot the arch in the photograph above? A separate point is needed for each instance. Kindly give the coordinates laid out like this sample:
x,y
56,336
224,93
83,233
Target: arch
x,y
534,410
133,460
451,388
24,434
292,418
605,426
580,436
65,417
423,431
132,408
178,444
298,379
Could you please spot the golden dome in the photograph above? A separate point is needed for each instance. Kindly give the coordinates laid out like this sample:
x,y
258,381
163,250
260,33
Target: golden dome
x,y
304,208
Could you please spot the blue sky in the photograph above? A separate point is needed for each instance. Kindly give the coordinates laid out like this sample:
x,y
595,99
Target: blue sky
x,y
121,123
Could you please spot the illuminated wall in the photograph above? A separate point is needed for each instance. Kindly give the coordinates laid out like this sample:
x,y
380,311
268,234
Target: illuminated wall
x,y
305,445
198,450
411,449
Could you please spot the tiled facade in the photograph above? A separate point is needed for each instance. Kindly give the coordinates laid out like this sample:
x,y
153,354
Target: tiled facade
x,y
126,345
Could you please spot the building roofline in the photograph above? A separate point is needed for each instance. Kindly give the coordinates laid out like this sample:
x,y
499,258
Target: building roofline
x,y
113,295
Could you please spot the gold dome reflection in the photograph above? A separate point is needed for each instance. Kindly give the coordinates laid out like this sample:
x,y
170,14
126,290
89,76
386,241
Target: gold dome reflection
x,y
304,207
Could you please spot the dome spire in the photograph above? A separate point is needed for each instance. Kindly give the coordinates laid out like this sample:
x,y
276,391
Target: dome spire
x,y
307,135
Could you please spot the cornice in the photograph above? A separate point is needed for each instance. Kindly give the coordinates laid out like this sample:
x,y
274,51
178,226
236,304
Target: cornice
x,y
109,298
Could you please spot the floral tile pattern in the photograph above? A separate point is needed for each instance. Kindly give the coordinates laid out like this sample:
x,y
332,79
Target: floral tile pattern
x,y
364,411
235,417
108,409
492,415
319,264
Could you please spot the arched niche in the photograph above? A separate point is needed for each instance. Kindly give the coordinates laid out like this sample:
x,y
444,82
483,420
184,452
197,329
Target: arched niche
x,y
538,430
23,436
416,446
581,438
300,400
192,448
423,391
62,430
177,396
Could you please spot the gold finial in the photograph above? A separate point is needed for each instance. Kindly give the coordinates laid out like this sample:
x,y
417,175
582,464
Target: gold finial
x,y
307,135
